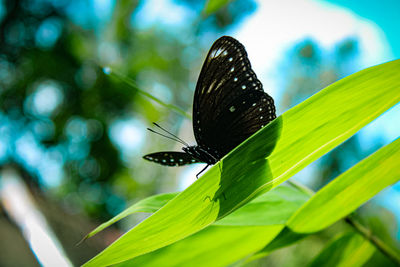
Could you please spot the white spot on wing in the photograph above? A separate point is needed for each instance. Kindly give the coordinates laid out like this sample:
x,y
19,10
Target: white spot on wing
x,y
216,53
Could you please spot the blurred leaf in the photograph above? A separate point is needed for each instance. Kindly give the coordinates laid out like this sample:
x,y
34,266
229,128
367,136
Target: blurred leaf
x,y
349,191
133,85
212,6
350,249
268,158
150,205
285,238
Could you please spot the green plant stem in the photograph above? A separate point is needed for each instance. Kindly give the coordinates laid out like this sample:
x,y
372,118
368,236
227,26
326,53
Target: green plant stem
x,y
361,229
376,241
132,84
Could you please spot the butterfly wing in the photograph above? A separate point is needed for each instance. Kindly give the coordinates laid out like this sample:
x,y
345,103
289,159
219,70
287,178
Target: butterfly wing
x,y
229,102
170,158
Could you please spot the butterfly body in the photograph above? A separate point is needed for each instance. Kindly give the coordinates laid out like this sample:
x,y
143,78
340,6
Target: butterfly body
x,y
229,106
201,155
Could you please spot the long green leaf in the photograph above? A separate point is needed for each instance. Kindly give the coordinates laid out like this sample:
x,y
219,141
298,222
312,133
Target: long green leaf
x,y
268,158
150,204
285,238
239,234
213,246
349,191
350,249
272,208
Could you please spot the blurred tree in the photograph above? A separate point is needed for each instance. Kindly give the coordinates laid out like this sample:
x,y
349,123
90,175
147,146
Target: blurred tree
x,y
76,134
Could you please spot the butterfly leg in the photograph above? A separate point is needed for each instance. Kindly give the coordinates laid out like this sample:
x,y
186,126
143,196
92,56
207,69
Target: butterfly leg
x,y
197,175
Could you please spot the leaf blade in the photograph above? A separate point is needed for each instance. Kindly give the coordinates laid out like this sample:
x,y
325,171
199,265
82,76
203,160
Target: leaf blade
x,y
349,249
348,191
150,204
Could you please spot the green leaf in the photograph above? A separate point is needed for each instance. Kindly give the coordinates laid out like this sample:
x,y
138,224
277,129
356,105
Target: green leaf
x,y
285,238
213,6
274,207
150,205
249,229
349,191
350,249
213,246
268,158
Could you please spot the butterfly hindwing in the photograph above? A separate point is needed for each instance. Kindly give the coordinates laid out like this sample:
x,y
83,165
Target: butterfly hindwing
x,y
229,102
170,158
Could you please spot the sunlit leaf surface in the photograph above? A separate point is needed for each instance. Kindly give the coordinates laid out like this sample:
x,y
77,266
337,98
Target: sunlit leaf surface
x,y
150,205
241,233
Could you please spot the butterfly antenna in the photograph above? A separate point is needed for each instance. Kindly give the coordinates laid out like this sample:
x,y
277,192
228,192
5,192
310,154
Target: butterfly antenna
x,y
169,137
177,138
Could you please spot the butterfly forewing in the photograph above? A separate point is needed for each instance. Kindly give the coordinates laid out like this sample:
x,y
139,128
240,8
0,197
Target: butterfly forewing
x,y
229,102
170,158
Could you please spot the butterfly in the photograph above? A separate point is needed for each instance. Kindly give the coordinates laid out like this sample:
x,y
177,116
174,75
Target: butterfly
x,y
229,106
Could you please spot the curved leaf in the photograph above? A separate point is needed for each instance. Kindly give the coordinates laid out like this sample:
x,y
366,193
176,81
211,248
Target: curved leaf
x,y
229,240
150,204
349,191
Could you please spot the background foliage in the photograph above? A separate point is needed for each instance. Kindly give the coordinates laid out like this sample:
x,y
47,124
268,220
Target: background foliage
x,y
76,135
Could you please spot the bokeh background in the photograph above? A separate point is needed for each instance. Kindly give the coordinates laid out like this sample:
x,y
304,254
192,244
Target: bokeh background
x,y
72,136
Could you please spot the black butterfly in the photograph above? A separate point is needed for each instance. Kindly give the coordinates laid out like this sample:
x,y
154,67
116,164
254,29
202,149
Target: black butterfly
x,y
229,106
